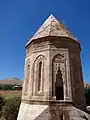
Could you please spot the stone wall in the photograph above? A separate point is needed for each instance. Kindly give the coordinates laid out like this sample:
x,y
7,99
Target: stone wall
x,y
66,53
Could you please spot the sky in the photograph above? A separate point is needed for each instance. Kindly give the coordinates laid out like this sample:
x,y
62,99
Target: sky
x,y
20,19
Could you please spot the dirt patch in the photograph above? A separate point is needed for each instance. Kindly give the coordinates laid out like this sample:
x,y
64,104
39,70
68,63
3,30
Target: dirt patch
x,y
11,93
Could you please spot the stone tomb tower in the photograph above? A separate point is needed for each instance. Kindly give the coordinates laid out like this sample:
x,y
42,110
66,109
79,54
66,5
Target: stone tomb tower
x,y
53,83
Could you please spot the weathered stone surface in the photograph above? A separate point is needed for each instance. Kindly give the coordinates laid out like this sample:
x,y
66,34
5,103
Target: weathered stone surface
x,y
30,112
52,27
53,84
45,112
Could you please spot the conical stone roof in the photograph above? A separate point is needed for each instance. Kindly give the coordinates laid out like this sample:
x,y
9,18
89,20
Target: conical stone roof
x,y
52,27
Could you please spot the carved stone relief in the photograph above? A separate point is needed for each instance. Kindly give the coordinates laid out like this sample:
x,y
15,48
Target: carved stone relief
x,y
59,61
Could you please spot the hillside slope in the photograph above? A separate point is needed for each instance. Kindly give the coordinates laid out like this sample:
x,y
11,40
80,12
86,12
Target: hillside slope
x,y
11,81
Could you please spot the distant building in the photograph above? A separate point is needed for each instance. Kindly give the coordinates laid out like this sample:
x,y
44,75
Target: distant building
x,y
86,85
17,87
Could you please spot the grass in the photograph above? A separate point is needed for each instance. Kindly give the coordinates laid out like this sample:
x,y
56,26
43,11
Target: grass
x,y
10,93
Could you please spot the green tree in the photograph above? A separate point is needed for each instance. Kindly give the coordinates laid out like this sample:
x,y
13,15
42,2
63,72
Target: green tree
x,y
87,95
11,108
2,102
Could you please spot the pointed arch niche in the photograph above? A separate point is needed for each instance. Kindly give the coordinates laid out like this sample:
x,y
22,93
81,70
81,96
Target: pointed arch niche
x,y
59,77
38,75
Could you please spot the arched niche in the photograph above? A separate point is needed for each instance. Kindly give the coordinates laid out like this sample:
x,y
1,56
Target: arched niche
x,y
59,77
38,75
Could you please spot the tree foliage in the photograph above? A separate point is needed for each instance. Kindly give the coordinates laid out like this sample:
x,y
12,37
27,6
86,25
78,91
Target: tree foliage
x,y
6,87
11,108
2,102
87,95
10,87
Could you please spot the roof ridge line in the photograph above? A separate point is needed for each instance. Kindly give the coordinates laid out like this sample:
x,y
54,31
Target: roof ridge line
x,y
52,27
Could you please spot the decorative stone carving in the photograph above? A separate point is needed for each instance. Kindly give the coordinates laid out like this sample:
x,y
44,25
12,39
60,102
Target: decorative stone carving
x,y
59,61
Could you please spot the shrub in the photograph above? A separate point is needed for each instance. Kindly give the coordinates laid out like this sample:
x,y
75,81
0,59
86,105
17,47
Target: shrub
x,y
87,95
2,102
11,108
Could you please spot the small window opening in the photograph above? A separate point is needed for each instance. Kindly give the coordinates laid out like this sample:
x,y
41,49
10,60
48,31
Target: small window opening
x,y
39,75
59,86
61,116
